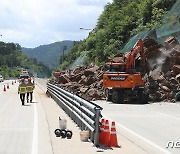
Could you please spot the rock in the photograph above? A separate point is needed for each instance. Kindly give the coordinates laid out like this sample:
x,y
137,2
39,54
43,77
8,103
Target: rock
x,y
165,88
177,60
92,92
173,80
165,82
83,80
99,84
176,69
163,96
168,74
78,69
100,75
76,77
91,71
63,79
152,97
89,80
83,89
173,100
178,77
68,84
83,77
94,68
170,42
88,73
161,79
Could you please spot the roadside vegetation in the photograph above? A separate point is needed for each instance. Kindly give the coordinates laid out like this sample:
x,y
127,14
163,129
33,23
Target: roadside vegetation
x,y
12,60
119,21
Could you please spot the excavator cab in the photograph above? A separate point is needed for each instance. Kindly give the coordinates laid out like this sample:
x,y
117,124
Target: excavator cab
x,y
117,67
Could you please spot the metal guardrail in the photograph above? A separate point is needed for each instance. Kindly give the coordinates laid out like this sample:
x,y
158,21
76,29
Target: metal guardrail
x,y
84,113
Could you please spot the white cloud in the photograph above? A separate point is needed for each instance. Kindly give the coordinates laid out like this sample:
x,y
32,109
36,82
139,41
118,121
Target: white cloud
x,y
34,22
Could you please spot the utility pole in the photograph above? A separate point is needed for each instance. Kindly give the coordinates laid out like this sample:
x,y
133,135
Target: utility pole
x,y
64,48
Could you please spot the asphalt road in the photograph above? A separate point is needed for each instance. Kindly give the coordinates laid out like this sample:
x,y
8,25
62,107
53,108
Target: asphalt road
x,y
150,126
16,128
30,129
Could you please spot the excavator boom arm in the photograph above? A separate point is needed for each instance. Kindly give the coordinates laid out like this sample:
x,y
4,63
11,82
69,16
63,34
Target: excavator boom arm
x,y
138,48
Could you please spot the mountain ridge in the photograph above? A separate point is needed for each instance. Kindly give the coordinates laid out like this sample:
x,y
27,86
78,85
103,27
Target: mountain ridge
x,y
49,54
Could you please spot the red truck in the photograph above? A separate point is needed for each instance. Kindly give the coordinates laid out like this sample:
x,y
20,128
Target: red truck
x,y
58,74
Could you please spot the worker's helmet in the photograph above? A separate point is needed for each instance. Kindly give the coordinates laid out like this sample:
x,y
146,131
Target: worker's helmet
x,y
29,79
22,79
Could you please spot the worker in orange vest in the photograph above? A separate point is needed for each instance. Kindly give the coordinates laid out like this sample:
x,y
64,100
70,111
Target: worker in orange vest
x,y
30,87
22,90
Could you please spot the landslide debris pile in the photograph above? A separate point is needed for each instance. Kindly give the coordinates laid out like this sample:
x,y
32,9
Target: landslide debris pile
x,y
162,78
161,75
84,81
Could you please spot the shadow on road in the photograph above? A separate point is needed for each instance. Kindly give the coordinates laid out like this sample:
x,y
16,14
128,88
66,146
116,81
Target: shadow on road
x,y
130,103
26,105
102,148
34,102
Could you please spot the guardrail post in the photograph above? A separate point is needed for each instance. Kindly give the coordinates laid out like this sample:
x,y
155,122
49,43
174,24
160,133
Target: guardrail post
x,y
97,125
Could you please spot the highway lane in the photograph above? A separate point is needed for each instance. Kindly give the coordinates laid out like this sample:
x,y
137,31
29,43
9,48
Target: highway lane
x,y
16,122
150,126
19,127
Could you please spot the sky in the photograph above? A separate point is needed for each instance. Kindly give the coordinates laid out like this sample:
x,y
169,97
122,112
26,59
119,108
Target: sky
x,y
32,23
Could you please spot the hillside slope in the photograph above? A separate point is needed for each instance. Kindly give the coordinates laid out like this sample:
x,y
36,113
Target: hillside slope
x,y
12,60
49,54
121,20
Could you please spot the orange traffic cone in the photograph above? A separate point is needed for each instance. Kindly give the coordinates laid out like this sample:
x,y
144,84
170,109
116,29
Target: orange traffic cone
x,y
113,137
106,133
4,88
101,135
12,83
7,85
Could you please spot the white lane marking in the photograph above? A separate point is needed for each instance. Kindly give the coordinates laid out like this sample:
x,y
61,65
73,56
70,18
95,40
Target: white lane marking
x,y
140,137
35,132
168,115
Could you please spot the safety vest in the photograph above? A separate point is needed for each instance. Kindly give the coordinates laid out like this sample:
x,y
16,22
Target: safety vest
x,y
30,87
22,89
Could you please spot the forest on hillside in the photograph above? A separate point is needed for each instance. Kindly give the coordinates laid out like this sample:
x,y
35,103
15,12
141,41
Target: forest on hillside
x,y
119,21
49,54
12,60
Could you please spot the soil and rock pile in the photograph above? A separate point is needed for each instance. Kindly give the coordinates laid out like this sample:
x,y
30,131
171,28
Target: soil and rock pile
x,y
162,78
84,81
161,75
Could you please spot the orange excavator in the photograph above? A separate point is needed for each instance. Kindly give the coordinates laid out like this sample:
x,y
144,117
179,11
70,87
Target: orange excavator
x,y
122,82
